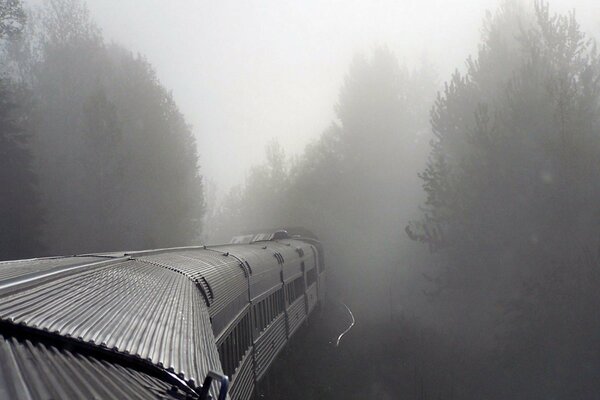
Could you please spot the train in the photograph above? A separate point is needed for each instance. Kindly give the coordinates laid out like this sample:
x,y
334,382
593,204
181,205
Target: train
x,y
199,322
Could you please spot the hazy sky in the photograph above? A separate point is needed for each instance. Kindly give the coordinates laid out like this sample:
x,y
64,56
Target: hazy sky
x,y
245,72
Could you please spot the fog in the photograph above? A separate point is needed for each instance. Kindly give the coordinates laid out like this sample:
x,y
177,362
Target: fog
x,y
244,73
445,153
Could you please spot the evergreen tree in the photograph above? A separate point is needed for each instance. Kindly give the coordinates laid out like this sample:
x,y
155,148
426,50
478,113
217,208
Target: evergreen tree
x,y
116,159
513,197
356,185
20,210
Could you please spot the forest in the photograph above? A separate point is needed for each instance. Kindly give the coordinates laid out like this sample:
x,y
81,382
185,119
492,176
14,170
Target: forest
x,y
95,153
460,215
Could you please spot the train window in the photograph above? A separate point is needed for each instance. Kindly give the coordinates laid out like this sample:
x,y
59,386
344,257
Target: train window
x,y
277,310
266,310
295,289
311,276
235,346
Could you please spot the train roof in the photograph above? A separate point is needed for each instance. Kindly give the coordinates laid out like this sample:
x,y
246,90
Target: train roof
x,y
90,323
122,308
273,234
34,369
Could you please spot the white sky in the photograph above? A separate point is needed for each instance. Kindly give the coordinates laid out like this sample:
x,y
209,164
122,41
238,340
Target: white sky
x,y
244,72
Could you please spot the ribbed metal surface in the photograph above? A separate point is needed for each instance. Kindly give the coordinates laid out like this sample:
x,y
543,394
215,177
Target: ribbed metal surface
x,y
130,307
255,254
243,383
20,268
265,282
224,275
32,370
152,307
226,278
291,265
269,344
221,278
296,315
266,271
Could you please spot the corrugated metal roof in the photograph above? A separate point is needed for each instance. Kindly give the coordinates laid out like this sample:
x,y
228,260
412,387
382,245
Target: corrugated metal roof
x,y
34,370
291,266
220,276
130,307
255,254
20,268
266,270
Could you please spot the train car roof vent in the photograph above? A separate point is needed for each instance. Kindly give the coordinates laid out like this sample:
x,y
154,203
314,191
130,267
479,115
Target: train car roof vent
x,y
206,290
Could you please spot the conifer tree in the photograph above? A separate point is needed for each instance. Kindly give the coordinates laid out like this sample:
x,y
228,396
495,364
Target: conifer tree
x,y
20,211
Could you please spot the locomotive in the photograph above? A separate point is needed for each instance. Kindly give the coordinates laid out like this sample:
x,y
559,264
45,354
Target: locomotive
x,y
195,322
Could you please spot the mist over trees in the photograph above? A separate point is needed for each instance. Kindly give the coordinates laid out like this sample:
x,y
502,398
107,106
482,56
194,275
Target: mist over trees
x,y
509,160
512,198
20,210
115,161
463,230
357,184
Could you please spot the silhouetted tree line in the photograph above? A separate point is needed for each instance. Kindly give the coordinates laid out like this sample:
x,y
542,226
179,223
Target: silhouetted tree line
x,y
510,215
20,213
96,154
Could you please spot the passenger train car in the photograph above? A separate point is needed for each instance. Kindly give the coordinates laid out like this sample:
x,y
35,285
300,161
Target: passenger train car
x,y
179,323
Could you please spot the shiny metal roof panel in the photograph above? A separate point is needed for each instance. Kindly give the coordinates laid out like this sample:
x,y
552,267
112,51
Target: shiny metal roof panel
x,y
34,370
221,277
130,307
257,255
265,267
291,266
20,268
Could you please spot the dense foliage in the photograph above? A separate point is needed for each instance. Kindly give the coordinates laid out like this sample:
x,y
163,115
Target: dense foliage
x,y
96,156
510,215
20,210
115,160
356,185
513,190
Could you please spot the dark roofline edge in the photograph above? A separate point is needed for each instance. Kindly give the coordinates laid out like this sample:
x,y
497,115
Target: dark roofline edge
x,y
22,332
